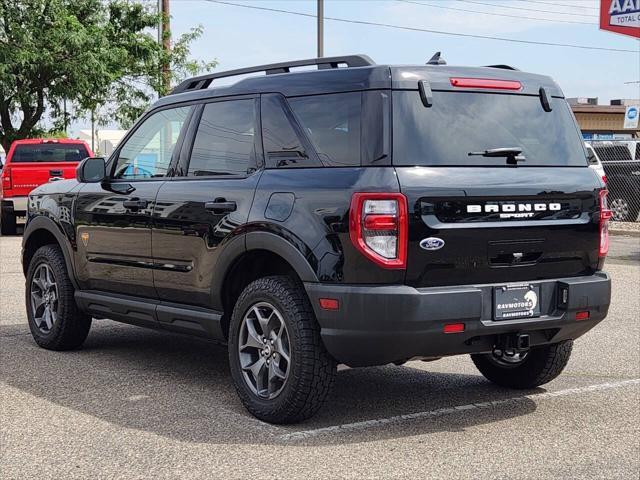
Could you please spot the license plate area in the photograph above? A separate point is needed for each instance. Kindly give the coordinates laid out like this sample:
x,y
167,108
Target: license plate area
x,y
516,301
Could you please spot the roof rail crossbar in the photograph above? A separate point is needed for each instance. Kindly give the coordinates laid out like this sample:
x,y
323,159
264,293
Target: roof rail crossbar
x,y
204,81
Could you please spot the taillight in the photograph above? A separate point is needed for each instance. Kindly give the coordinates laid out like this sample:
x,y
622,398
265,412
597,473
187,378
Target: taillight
x,y
605,215
378,226
485,83
6,178
604,179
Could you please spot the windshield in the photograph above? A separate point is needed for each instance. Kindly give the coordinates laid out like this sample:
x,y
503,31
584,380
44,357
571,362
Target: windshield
x,y
49,152
459,123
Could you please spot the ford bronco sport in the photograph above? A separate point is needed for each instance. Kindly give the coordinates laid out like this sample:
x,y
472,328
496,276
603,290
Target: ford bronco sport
x,y
353,213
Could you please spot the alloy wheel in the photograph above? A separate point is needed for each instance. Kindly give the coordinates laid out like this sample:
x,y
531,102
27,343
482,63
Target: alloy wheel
x,y
264,350
619,208
508,359
44,298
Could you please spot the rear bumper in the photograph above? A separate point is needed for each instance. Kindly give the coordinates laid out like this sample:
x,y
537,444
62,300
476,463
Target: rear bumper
x,y
381,324
17,205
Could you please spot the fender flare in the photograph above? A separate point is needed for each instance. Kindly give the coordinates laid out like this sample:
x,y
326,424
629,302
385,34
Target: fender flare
x,y
46,223
258,240
280,246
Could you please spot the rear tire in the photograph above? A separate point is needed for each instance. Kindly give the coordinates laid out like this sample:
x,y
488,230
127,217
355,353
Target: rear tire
x,y
539,366
55,321
8,224
284,309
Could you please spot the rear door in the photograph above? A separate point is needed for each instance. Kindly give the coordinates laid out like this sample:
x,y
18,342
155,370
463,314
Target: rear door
x,y
198,213
33,164
477,219
113,218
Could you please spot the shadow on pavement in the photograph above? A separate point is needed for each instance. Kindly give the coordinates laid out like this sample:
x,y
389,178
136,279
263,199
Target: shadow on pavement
x,y
180,387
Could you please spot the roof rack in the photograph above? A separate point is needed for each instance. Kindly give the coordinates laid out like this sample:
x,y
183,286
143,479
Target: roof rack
x,y
203,81
504,67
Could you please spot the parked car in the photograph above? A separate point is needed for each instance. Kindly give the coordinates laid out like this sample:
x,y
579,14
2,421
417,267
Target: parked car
x,y
594,162
358,213
31,163
621,163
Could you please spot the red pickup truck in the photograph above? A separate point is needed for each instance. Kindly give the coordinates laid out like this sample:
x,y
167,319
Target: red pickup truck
x,y
30,163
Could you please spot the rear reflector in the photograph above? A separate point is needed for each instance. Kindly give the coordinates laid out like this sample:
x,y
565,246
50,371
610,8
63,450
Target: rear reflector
x,y
485,83
454,328
329,304
582,315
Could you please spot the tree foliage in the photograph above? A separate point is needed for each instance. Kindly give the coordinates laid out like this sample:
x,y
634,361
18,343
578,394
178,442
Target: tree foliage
x,y
95,54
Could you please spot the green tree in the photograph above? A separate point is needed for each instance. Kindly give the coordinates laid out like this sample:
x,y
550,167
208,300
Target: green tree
x,y
93,54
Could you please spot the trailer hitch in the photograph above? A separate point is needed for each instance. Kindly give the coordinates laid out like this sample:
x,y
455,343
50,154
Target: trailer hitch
x,y
511,344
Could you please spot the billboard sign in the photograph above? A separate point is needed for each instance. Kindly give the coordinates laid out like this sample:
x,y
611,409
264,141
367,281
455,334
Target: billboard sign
x,y
620,16
631,117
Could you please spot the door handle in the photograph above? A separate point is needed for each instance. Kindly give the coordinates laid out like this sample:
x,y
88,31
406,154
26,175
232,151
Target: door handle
x,y
55,173
220,205
135,203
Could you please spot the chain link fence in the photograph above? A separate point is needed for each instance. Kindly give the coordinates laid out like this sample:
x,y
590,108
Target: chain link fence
x,y
621,162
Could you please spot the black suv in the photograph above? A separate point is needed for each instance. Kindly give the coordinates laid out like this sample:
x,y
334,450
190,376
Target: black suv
x,y
351,213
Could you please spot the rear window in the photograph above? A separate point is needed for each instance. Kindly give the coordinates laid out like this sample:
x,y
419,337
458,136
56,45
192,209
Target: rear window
x,y
462,122
49,152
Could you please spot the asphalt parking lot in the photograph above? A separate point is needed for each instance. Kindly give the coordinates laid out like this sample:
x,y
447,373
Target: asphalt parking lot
x,y
137,403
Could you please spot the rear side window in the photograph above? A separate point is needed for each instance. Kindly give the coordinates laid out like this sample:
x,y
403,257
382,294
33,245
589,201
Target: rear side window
x,y
225,140
49,152
332,122
459,123
283,146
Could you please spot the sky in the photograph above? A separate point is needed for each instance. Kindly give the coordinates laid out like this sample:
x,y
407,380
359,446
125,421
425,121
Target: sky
x,y
239,37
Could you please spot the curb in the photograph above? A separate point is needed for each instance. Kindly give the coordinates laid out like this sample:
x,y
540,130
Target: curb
x,y
625,228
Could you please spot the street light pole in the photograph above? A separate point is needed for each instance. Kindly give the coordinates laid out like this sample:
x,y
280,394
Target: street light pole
x,y
320,28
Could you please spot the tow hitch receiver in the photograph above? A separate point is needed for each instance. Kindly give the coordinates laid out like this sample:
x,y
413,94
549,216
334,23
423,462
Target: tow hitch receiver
x,y
510,345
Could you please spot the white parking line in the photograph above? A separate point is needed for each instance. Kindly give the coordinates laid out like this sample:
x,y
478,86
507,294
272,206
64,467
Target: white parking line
x,y
349,427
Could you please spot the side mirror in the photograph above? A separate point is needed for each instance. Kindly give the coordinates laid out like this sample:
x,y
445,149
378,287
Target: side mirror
x,y
91,170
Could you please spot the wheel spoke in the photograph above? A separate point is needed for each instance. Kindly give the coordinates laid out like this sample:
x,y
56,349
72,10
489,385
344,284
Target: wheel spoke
x,y
264,321
47,317
36,300
253,339
255,367
37,279
276,372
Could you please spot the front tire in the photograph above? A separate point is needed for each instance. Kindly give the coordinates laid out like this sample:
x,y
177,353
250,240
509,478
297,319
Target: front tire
x,y
55,321
279,365
540,365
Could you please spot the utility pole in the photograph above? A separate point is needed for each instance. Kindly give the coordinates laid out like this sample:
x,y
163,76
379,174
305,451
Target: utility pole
x,y
164,37
320,18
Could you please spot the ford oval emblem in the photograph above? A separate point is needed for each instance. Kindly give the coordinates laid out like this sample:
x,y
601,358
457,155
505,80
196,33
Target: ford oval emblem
x,y
432,243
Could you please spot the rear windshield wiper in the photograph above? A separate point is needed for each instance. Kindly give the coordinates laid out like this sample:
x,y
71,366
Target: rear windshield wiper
x,y
512,154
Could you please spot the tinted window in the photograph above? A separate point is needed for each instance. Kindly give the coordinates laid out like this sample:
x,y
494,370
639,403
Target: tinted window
x,y
282,146
49,152
147,152
333,125
462,122
224,143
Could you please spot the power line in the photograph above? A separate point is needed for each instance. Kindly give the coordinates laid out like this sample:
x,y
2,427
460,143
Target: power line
x,y
559,4
527,9
494,14
416,29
